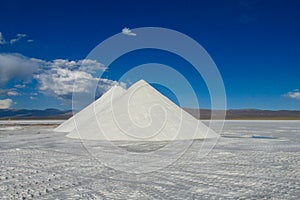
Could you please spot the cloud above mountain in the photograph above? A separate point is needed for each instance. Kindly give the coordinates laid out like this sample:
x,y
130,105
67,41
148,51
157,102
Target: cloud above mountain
x,y
295,94
5,103
55,77
17,67
59,78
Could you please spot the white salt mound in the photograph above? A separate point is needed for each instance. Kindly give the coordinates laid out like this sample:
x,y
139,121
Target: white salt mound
x,y
85,115
140,113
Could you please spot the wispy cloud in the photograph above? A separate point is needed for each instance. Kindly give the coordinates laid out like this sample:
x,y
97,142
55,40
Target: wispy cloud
x,y
14,40
20,86
18,38
295,94
9,92
127,31
13,93
33,95
5,103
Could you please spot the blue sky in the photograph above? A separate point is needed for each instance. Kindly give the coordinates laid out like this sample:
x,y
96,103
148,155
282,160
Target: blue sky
x,y
255,45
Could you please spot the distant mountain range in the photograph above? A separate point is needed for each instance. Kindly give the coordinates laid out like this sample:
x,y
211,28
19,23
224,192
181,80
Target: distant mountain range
x,y
34,114
198,113
250,114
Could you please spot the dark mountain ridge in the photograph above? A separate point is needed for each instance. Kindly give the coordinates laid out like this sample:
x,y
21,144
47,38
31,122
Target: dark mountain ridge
x,y
50,113
197,113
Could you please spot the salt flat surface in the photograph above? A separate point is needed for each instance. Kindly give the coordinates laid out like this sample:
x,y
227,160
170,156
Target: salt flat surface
x,y
37,163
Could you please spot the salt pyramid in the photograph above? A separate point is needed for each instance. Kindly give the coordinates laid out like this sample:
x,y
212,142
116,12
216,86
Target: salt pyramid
x,y
140,113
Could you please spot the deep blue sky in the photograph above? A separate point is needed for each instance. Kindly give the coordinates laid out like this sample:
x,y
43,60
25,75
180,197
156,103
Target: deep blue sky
x,y
255,44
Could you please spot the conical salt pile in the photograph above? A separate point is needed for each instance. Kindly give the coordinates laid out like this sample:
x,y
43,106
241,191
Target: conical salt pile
x,y
139,113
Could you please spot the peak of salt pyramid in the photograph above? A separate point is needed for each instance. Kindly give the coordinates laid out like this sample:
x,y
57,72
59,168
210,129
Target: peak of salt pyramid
x,y
139,113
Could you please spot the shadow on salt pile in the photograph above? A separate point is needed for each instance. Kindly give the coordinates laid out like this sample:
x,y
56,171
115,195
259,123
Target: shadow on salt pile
x,y
263,137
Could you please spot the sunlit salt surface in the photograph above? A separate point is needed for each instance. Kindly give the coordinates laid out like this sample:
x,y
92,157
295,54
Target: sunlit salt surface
x,y
254,160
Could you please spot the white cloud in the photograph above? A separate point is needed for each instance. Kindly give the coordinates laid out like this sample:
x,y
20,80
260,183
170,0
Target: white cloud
x,y
18,38
9,92
13,93
127,31
5,103
20,86
59,80
2,40
90,66
54,77
14,40
17,67
21,35
86,65
295,94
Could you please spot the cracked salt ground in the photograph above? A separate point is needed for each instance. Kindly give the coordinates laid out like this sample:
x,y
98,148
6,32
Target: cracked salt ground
x,y
51,166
